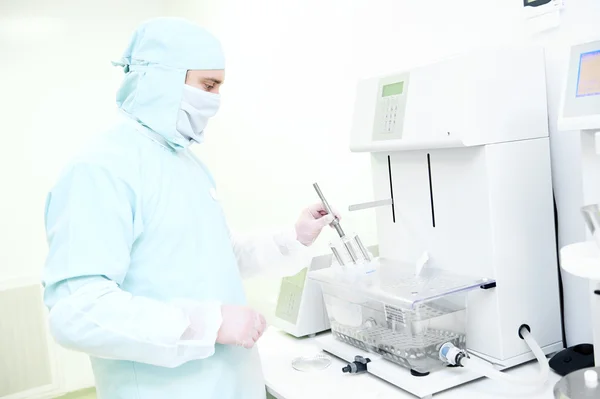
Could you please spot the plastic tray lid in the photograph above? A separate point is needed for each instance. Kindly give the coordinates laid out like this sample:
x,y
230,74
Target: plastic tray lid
x,y
395,283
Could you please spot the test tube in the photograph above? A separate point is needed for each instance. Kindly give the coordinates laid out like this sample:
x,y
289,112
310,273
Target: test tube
x,y
337,255
362,249
347,250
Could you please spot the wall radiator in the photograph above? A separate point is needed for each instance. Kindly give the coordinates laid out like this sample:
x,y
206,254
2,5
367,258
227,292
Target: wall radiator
x,y
28,366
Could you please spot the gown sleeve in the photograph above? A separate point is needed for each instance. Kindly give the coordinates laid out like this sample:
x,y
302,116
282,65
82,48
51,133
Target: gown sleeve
x,y
276,254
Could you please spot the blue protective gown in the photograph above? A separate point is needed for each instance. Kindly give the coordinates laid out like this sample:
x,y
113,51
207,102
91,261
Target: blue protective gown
x,y
139,248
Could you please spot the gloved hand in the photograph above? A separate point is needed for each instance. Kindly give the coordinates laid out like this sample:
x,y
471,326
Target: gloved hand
x,y
241,326
311,223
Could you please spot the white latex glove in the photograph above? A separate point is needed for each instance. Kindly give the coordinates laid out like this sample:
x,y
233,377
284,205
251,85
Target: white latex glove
x,y
311,223
241,326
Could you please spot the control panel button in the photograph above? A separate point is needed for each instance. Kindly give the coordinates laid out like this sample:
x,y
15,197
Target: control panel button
x,y
389,107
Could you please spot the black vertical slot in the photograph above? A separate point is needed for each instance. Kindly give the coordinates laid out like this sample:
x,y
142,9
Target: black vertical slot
x,y
560,275
391,189
431,190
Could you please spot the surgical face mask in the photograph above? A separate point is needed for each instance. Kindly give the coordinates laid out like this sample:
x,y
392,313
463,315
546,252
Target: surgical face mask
x,y
197,106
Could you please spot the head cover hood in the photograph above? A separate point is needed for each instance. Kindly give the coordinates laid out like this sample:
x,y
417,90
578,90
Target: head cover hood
x,y
160,53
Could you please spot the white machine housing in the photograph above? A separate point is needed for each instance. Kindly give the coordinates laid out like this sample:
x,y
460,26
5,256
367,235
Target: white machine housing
x,y
580,113
466,162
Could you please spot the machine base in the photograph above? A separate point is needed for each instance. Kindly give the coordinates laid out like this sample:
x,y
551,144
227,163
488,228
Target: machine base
x,y
422,387
572,359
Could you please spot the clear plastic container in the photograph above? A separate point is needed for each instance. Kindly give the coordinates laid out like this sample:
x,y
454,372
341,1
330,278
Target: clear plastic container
x,y
311,363
382,307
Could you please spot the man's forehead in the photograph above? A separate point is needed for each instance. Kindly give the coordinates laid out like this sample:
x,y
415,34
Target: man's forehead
x,y
216,76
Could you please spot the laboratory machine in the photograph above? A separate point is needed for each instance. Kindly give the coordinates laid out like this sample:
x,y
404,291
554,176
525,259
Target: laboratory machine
x,y
467,267
580,118
300,310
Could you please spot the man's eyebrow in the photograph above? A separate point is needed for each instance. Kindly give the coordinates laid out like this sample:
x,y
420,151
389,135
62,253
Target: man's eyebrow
x,y
216,81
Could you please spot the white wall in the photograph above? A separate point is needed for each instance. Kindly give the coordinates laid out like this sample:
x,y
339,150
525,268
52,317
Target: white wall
x,y
57,89
278,130
285,119
292,67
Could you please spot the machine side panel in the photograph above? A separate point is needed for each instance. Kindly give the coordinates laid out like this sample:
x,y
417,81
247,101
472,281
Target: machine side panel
x,y
507,95
407,237
524,250
489,96
462,239
435,106
441,203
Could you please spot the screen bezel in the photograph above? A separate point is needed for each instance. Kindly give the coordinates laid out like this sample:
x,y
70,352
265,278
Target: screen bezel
x,y
572,105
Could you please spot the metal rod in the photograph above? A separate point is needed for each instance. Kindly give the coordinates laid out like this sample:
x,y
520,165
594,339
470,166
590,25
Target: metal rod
x,y
368,205
362,248
350,251
335,223
337,256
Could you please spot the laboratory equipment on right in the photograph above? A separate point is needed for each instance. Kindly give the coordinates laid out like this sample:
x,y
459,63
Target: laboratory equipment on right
x,y
460,163
578,196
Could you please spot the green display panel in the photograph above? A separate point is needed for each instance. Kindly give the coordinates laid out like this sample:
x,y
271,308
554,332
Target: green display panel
x,y
393,89
290,295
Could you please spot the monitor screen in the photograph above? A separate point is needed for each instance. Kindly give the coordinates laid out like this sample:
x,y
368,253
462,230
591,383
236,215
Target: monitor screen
x,y
393,89
588,81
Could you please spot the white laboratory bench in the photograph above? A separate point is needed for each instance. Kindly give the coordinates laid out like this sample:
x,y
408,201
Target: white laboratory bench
x,y
277,349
